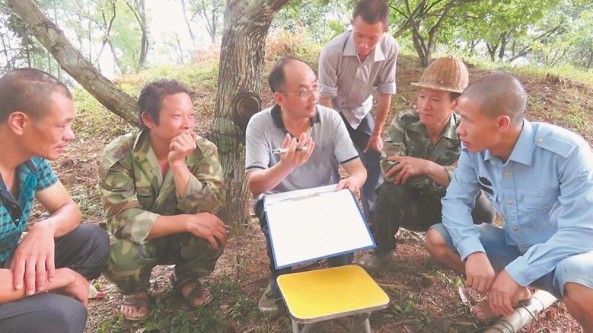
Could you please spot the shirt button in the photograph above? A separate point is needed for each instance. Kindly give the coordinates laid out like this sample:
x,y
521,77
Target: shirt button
x,y
540,140
515,228
507,173
510,201
17,220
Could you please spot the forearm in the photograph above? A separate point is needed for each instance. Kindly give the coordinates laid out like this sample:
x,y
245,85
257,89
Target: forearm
x,y
63,220
260,181
383,106
181,176
437,173
168,225
62,278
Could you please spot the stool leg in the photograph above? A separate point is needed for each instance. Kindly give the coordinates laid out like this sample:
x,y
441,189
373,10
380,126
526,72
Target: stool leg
x,y
295,326
367,325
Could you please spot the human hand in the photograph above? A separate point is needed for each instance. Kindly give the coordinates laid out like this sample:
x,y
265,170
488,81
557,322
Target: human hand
x,y
33,262
78,288
375,143
503,294
351,184
207,226
406,167
296,155
181,146
479,272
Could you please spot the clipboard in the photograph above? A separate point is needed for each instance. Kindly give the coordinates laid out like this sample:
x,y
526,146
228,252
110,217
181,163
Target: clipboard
x,y
313,224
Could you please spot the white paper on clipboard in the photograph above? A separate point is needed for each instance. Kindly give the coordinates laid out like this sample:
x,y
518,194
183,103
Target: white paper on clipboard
x,y
312,224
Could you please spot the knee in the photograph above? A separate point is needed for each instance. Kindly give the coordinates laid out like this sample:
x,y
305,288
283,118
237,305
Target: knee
x,y
94,239
65,314
435,244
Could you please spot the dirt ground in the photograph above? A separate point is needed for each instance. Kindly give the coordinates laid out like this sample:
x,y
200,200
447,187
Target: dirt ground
x,y
423,295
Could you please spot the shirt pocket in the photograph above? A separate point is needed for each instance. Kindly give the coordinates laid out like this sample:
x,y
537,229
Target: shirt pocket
x,y
536,207
145,197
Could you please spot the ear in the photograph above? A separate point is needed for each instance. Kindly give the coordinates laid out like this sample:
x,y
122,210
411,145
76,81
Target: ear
x,y
454,104
503,123
17,121
147,120
279,98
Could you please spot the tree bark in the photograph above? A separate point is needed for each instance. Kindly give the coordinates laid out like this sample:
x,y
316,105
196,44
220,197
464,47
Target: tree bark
x,y
73,62
246,24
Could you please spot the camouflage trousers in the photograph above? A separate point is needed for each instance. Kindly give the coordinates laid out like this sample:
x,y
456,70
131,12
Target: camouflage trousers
x,y
130,264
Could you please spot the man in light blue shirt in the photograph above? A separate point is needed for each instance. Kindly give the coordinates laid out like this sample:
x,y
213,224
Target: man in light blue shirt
x,y
540,178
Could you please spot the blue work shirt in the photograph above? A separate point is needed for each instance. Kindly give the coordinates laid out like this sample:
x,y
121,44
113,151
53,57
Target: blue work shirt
x,y
544,192
33,176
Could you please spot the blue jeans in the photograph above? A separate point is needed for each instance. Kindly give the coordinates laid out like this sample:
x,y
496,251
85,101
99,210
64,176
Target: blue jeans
x,y
577,268
84,250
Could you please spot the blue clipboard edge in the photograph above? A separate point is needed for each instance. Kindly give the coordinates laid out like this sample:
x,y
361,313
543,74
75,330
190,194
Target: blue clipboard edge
x,y
366,225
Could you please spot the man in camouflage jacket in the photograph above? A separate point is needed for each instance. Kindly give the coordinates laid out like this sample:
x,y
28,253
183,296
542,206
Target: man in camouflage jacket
x,y
418,161
161,188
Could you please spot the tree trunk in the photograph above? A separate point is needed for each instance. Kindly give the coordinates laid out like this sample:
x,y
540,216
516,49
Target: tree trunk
x,y
73,62
246,24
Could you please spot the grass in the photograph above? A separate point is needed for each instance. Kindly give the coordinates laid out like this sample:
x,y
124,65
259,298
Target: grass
x,y
234,308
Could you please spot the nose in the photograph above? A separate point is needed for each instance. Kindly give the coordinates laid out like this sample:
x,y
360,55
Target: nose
x,y
460,129
69,134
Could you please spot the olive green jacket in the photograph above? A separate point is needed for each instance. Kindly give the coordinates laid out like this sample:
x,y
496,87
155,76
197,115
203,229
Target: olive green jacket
x,y
407,136
135,193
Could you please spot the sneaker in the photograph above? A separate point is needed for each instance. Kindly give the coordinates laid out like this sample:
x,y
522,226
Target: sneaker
x,y
372,262
268,304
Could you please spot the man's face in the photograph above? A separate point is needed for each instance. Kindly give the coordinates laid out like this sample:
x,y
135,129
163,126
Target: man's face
x,y
434,107
477,131
299,79
48,136
366,36
176,116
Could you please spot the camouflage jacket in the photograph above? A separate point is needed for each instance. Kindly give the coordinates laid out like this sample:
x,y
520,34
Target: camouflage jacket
x,y
135,194
408,137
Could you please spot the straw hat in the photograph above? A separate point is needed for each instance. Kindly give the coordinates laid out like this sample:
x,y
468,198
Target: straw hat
x,y
446,74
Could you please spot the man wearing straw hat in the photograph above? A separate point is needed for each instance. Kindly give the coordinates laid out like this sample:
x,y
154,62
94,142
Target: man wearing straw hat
x,y
420,155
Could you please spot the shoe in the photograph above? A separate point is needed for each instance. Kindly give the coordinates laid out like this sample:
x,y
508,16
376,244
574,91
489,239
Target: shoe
x,y
268,304
372,262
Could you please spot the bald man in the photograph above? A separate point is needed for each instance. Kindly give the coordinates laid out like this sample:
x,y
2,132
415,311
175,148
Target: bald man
x,y
540,178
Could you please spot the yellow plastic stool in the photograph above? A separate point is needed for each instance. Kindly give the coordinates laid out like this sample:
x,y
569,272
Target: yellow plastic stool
x,y
330,293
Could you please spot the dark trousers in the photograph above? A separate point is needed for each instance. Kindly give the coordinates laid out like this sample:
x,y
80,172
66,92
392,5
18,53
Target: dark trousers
x,y
340,260
371,160
83,250
399,206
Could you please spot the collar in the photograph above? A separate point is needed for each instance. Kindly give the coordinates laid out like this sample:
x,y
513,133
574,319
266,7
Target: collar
x,y
522,152
376,54
276,113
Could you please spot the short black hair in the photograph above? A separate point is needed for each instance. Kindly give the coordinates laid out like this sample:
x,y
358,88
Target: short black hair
x,y
276,79
152,95
28,90
372,11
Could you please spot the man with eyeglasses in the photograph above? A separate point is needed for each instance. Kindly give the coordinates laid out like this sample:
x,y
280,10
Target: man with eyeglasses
x,y
313,141
351,67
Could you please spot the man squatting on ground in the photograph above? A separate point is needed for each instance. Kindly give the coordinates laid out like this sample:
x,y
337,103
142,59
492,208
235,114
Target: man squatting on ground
x,y
351,67
296,121
161,188
44,275
420,156
540,179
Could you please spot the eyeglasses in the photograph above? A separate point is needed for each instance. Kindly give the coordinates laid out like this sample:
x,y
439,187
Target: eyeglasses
x,y
305,93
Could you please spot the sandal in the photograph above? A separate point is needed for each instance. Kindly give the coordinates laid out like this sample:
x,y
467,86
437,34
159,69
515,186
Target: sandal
x,y
197,297
138,302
